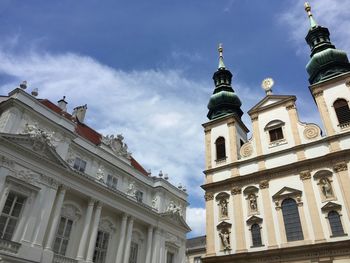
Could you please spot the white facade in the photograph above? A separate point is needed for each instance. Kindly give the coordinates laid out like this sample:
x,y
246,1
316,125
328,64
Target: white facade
x,y
76,196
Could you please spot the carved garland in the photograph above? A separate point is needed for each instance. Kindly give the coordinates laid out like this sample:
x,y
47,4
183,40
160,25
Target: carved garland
x,y
305,175
340,167
209,196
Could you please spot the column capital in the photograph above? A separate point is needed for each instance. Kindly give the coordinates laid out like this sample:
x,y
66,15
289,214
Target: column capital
x,y
290,106
99,205
236,190
91,202
264,184
209,196
341,166
305,175
318,93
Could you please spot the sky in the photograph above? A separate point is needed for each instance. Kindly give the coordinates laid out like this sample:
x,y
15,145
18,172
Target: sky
x,y
144,68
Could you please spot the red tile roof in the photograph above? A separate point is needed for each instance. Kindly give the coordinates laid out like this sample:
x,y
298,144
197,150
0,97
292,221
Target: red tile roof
x,y
87,132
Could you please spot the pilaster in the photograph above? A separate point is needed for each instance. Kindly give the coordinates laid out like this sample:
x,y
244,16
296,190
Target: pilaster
x,y
341,170
128,240
209,208
119,255
94,230
293,117
239,220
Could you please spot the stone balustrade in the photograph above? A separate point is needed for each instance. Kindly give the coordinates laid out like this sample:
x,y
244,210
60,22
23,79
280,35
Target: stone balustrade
x,y
9,246
63,259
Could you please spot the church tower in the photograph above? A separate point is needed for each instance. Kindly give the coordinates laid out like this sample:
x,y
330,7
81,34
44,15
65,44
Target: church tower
x,y
329,77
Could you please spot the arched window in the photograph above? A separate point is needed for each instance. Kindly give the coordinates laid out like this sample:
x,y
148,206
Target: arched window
x,y
220,148
335,223
275,130
292,220
256,235
342,111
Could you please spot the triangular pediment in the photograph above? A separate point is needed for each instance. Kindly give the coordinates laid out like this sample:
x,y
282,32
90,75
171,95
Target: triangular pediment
x,y
176,218
287,192
37,146
223,225
271,101
330,206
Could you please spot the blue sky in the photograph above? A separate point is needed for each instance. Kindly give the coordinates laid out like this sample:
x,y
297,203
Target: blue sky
x,y
144,67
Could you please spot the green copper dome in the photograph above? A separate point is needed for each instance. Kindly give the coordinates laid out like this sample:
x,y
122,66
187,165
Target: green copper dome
x,y
224,100
326,61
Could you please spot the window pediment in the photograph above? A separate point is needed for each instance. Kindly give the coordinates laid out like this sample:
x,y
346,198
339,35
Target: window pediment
x,y
286,192
223,225
254,220
330,206
274,125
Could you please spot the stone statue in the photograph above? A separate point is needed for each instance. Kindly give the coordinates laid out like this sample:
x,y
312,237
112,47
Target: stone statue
x,y
100,174
326,187
225,239
252,202
172,207
155,203
131,189
223,207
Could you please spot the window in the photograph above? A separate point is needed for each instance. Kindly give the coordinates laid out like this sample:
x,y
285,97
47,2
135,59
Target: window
x,y
256,235
112,181
169,257
62,236
10,215
197,260
220,149
139,196
101,247
291,220
342,111
335,223
276,134
133,252
79,164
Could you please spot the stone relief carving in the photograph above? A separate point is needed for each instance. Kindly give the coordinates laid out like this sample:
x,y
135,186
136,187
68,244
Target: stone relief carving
x,y
70,211
107,226
264,184
6,162
117,145
41,136
339,167
305,175
311,131
209,196
27,175
236,190
174,208
246,150
252,202
100,174
131,189
155,204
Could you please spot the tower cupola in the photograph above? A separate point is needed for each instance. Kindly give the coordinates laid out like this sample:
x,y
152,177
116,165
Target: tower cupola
x,y
224,100
326,61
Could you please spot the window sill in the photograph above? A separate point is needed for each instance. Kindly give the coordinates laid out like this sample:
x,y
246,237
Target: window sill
x,y
262,245
344,126
340,235
221,161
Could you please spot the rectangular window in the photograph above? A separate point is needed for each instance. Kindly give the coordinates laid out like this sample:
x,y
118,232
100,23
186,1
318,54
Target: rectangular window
x,y
112,181
62,236
101,247
276,134
10,215
134,247
169,257
79,164
139,196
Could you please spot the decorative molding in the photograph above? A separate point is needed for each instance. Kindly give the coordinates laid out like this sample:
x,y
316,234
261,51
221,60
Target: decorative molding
x,y
331,206
254,219
311,131
264,184
107,226
6,162
340,167
305,175
290,106
246,150
71,211
318,93
236,190
208,196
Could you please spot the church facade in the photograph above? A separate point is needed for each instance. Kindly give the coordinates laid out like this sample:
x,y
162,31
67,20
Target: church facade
x,y
282,195
71,195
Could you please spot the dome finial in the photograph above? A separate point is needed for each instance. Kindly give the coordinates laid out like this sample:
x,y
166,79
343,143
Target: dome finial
x,y
313,22
221,57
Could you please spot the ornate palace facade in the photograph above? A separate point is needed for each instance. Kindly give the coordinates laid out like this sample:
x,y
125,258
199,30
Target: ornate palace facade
x,y
284,194
69,194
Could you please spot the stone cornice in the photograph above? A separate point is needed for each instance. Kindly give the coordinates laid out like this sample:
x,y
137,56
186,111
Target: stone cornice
x,y
229,119
276,172
267,156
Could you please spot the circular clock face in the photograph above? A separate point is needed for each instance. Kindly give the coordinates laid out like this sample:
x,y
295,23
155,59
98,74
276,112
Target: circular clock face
x,y
267,84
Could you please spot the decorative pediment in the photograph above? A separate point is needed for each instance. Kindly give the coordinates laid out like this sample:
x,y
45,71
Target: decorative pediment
x,y
177,219
286,192
330,206
250,189
35,145
117,145
222,195
254,220
223,225
271,101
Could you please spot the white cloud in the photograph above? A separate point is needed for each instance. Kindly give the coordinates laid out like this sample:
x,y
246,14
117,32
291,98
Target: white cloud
x,y
196,220
333,14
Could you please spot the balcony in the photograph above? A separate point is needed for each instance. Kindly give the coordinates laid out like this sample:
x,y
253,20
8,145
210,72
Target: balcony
x,y
9,246
63,259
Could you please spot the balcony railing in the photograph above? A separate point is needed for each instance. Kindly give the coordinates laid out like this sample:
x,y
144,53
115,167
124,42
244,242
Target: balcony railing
x,y
63,259
9,246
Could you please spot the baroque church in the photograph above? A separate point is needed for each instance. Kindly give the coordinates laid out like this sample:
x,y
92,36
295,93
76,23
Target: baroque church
x,y
282,195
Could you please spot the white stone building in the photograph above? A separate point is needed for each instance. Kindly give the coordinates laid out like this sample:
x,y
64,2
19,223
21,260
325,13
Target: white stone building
x,y
282,195
69,194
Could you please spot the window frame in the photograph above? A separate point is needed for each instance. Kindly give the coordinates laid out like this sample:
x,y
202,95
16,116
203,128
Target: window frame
x,y
79,164
298,233
112,181
101,248
332,226
220,149
273,126
63,236
342,112
134,246
258,227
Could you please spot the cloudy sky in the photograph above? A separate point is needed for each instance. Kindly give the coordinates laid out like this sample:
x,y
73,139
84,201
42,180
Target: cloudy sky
x,y
144,67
